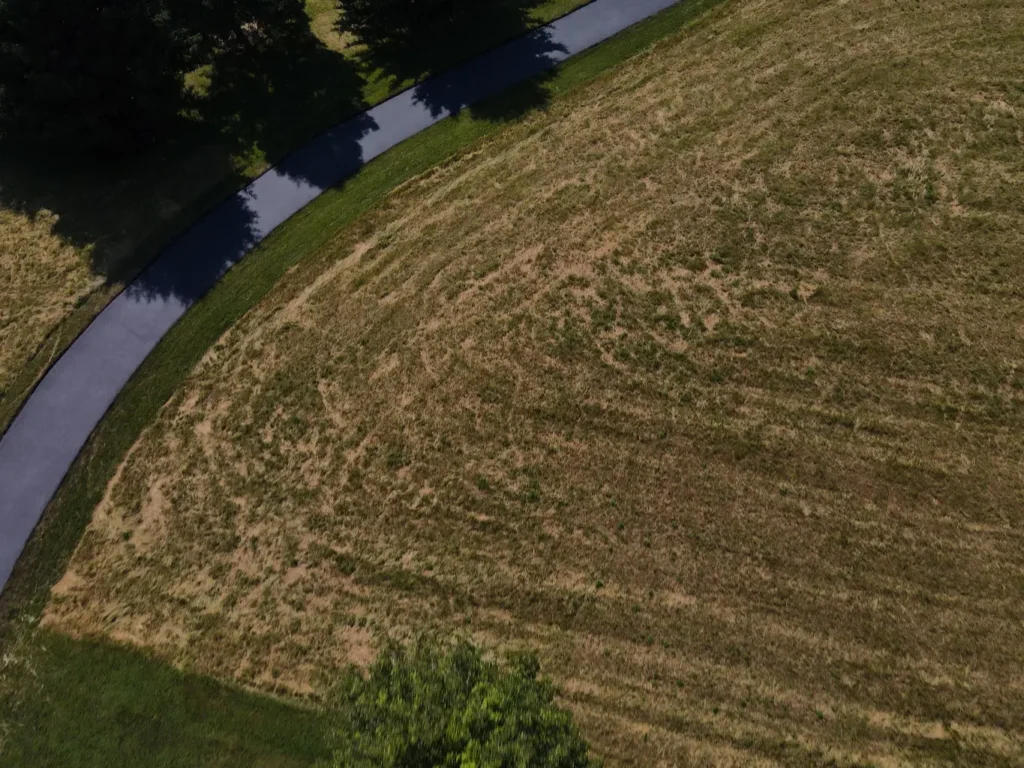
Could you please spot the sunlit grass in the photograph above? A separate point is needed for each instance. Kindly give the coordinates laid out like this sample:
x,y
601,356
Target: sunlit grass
x,y
702,380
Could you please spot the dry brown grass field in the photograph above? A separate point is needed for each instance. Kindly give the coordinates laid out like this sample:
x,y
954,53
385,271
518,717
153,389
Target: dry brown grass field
x,y
42,280
706,382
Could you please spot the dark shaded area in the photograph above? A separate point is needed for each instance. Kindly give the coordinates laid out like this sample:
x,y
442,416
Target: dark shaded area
x,y
101,77
280,89
90,704
270,85
270,94
408,47
271,91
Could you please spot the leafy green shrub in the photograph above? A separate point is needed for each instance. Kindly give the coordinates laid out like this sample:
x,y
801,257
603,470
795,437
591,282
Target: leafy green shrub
x,y
430,705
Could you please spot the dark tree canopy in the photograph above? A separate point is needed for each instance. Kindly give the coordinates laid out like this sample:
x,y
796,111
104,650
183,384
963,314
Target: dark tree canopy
x,y
375,20
439,707
90,73
247,24
109,74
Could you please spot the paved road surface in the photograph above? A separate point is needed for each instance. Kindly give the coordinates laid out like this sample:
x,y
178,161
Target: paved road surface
x,y
57,419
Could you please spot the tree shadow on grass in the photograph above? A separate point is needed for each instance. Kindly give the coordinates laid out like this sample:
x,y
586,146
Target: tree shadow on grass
x,y
412,53
268,98
281,91
262,100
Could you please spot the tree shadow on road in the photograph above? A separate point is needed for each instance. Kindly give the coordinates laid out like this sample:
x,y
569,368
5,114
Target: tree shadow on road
x,y
268,98
410,54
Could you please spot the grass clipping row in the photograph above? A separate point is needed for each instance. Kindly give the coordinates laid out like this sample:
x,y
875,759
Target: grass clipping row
x,y
706,382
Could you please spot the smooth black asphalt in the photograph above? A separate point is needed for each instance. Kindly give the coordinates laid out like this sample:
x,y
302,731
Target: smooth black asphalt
x,y
56,420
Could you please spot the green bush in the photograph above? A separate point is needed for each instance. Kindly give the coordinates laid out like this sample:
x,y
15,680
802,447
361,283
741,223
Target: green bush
x,y
430,705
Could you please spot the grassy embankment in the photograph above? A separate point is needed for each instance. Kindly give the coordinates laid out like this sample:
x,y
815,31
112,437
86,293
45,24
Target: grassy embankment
x,y
40,698
706,381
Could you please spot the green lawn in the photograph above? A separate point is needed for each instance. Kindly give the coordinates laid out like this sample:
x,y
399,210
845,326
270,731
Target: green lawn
x,y
82,683
94,705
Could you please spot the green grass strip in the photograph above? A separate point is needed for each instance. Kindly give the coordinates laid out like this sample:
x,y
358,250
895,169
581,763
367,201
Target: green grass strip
x,y
101,706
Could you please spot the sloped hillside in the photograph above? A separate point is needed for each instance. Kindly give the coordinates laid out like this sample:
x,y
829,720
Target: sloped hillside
x,y
706,382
